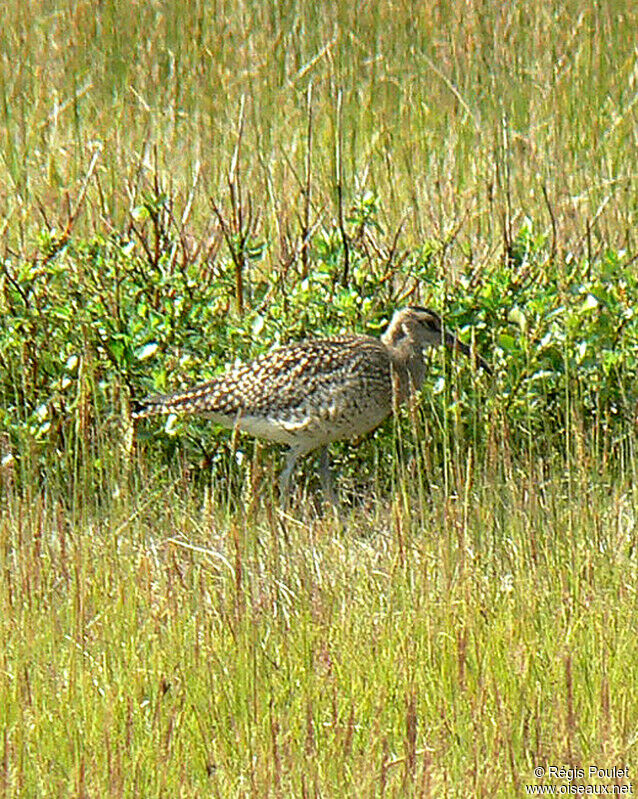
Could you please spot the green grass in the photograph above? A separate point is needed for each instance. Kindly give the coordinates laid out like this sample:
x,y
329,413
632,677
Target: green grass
x,y
459,115
161,649
185,184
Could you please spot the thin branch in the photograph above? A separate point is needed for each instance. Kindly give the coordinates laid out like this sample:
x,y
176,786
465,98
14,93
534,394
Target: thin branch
x,y
553,219
339,175
75,212
305,265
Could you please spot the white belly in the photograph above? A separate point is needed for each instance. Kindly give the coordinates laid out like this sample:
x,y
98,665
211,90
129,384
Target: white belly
x,y
309,432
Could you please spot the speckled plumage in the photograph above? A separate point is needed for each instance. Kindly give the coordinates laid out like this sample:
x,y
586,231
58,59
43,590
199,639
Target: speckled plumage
x,y
308,394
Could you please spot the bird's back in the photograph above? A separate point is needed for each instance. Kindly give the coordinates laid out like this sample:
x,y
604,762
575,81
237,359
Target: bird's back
x,y
305,394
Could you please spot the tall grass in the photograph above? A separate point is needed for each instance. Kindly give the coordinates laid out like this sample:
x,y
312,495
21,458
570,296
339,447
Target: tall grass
x,y
461,115
440,647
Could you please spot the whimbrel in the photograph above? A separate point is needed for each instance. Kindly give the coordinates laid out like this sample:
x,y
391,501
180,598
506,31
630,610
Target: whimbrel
x,y
309,394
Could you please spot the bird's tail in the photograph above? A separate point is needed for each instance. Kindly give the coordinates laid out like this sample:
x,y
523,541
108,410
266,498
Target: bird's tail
x,y
189,401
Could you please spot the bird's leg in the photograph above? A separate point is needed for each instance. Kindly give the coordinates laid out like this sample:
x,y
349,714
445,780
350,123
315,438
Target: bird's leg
x,y
284,478
325,475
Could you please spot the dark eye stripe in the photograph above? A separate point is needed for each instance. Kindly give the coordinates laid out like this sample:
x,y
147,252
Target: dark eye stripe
x,y
419,309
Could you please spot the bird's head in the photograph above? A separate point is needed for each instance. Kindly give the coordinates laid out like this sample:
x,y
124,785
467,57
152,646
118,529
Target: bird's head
x,y
425,328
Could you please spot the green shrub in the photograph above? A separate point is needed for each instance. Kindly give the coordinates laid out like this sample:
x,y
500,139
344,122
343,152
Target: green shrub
x,y
91,324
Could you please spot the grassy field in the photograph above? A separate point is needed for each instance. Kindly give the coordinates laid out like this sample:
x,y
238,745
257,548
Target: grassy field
x,y
184,184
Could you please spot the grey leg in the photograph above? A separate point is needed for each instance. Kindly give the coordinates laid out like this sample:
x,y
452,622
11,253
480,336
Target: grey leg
x,y
325,475
284,478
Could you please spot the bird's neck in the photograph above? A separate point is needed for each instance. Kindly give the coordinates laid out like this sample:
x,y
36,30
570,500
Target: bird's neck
x,y
408,366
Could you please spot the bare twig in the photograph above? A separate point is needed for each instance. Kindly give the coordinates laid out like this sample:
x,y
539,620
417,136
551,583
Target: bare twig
x,y
305,226
507,215
339,176
75,211
553,220
234,185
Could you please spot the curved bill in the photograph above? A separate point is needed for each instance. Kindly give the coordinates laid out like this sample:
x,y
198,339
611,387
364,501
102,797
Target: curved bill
x,y
454,344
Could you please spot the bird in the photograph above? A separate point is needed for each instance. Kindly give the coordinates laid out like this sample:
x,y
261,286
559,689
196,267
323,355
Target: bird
x,y
309,394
